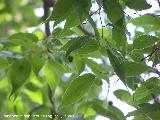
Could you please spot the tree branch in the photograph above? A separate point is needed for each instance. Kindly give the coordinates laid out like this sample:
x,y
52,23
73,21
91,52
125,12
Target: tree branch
x,y
51,99
34,110
45,16
46,6
158,2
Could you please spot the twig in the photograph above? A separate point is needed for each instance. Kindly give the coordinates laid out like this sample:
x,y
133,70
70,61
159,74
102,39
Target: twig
x,y
34,110
108,90
100,19
158,2
46,6
51,99
150,55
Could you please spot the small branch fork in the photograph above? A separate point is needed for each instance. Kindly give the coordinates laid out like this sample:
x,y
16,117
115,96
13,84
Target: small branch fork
x,y
150,55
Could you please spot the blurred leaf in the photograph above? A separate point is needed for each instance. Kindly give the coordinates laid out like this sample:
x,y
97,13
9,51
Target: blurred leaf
x,y
3,63
35,96
77,89
138,4
22,38
37,61
18,74
50,72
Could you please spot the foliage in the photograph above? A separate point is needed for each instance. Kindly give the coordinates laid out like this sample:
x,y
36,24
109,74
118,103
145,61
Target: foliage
x,y
41,74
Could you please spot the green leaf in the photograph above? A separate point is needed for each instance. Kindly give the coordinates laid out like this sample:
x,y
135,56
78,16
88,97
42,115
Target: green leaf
x,y
134,68
144,41
89,47
116,61
80,65
93,24
78,13
123,95
3,63
146,109
19,73
115,14
138,4
71,9
145,20
119,35
77,89
77,43
22,38
59,14
50,72
145,91
110,111
37,61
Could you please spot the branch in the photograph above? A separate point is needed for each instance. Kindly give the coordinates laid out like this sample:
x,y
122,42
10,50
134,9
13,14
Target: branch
x,y
34,110
158,2
51,99
46,6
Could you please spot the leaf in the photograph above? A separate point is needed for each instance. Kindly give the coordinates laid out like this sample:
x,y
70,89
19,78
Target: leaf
x,y
50,72
59,14
93,24
123,95
115,14
134,68
79,64
144,41
145,20
19,73
3,63
77,89
138,4
146,109
22,38
145,91
37,61
77,43
119,35
110,111
116,61
89,47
